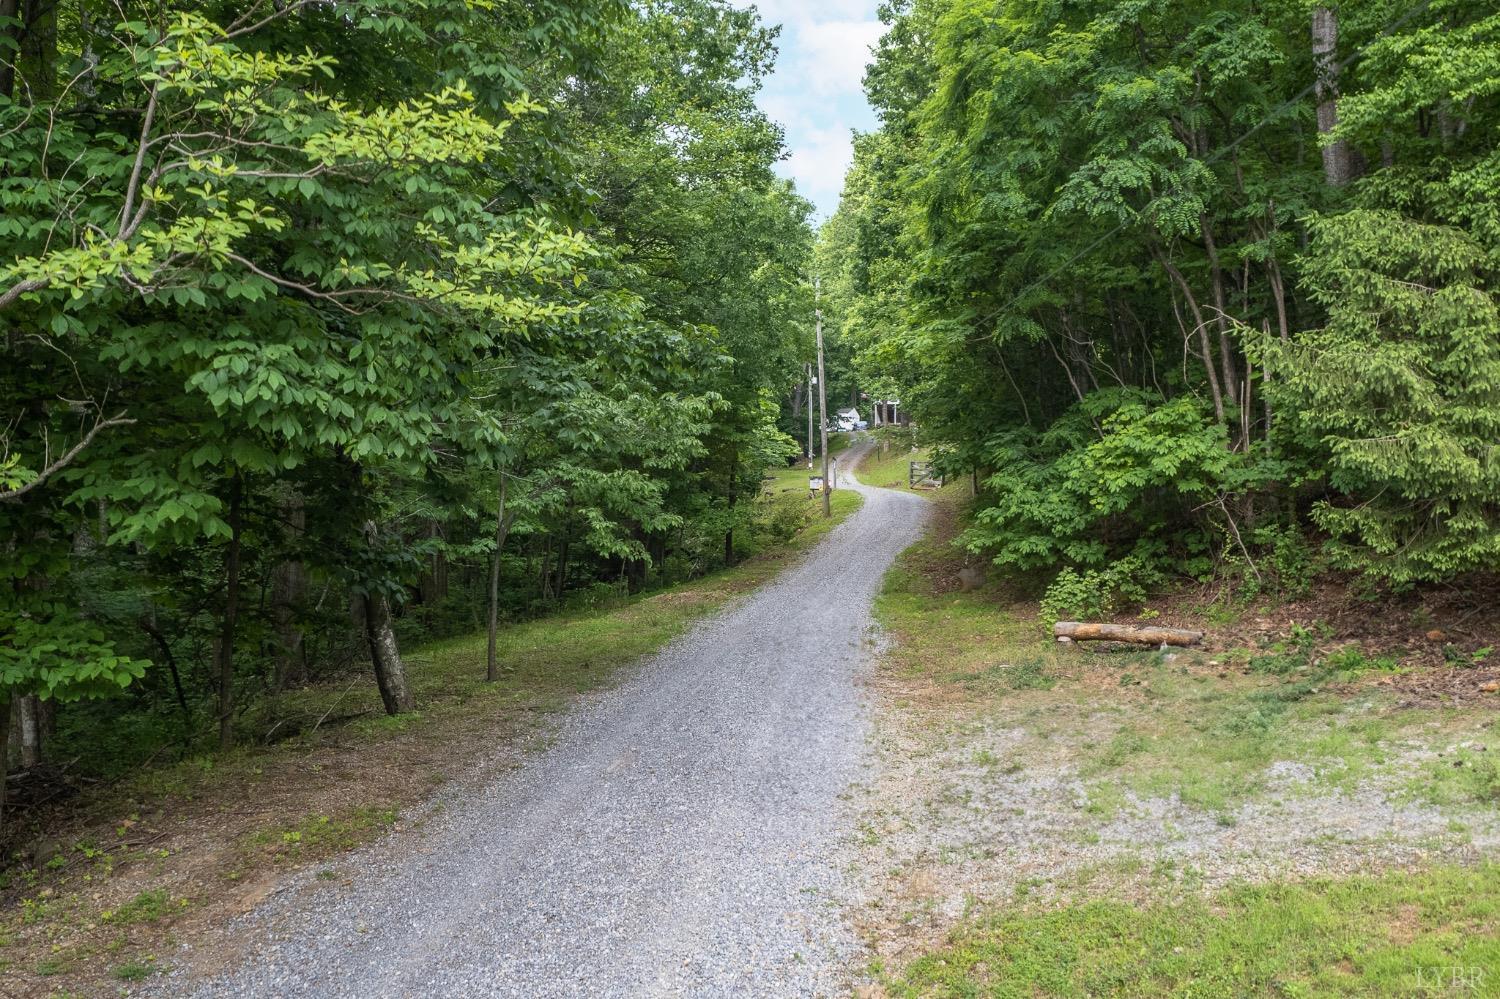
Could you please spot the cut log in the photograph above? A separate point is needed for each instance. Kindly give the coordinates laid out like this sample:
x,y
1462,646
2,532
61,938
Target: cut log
x,y
1080,631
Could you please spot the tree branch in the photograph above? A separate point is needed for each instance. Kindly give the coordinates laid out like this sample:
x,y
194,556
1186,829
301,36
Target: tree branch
x,y
66,459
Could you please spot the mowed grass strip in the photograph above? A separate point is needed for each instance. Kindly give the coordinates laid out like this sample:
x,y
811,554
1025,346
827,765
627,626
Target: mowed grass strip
x,y
1434,932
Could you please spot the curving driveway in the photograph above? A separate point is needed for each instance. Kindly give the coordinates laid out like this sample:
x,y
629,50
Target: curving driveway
x,y
683,834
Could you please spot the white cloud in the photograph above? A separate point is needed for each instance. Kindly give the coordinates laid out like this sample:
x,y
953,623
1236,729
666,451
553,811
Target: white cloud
x,y
832,56
818,162
817,91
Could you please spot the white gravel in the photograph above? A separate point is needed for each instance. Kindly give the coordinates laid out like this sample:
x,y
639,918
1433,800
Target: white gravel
x,y
684,834
969,812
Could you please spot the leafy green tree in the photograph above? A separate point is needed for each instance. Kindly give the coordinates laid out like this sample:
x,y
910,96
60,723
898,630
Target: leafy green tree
x,y
1399,391
1268,224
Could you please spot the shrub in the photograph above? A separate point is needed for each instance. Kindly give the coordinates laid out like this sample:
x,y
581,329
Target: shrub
x,y
1096,593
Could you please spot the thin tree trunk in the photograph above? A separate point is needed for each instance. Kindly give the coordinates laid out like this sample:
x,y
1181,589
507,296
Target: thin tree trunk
x,y
5,697
1020,396
1221,314
29,715
435,581
734,462
1278,295
564,546
12,748
545,579
1202,330
288,592
224,649
1067,370
149,626
502,528
1265,387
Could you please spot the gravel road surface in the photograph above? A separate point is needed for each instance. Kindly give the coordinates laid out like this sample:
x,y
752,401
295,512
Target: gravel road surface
x,y
684,834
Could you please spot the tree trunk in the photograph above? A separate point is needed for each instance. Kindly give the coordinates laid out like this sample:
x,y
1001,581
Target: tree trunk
x,y
224,646
4,747
38,56
434,584
12,746
288,591
1221,317
1340,160
10,9
29,718
149,626
564,546
1278,293
502,528
385,655
1208,354
734,463
374,610
545,578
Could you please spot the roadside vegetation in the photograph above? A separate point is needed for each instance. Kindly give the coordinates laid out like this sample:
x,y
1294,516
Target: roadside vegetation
x,y
1197,293
1196,306
174,847
331,330
1395,934
1063,821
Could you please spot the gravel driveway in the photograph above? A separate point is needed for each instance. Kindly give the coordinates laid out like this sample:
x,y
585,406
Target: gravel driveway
x,y
684,834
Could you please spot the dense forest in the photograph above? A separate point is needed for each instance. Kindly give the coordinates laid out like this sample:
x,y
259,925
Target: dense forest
x,y
332,325
1192,290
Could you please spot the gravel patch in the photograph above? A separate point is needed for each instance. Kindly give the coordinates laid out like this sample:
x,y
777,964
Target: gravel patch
x,y
975,811
683,834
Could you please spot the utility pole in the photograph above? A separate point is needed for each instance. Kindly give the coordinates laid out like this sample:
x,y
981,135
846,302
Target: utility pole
x,y
808,368
822,395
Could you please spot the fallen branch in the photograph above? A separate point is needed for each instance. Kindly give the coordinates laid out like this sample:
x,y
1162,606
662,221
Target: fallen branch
x,y
1079,631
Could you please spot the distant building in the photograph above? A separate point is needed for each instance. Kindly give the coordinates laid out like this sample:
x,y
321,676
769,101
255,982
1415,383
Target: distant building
x,y
848,419
885,412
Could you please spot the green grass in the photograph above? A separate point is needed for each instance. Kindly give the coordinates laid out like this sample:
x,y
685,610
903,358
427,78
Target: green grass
x,y
1465,777
324,835
891,469
147,907
1211,740
133,971
1168,727
545,663
1207,730
1373,936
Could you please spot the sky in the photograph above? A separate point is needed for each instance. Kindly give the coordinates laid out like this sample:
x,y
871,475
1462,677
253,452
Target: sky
x,y
817,92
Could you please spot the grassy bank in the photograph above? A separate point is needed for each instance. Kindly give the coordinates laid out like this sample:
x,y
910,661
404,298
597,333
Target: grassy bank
x,y
1073,821
121,874
889,467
